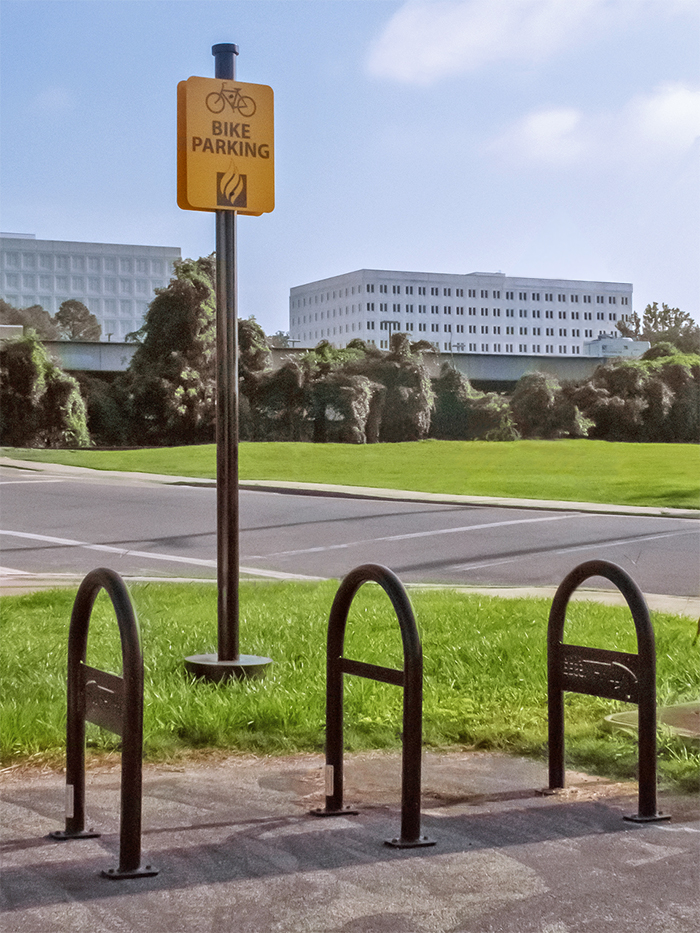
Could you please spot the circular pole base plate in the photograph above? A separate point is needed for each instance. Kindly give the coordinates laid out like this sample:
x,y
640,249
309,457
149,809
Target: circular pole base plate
x,y
209,667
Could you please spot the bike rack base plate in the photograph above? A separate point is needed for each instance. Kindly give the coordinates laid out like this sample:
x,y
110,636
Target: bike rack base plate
x,y
409,843
344,811
143,871
62,835
656,818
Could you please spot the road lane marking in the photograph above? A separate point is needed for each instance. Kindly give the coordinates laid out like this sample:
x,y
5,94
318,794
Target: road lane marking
x,y
473,565
151,555
107,548
38,479
418,534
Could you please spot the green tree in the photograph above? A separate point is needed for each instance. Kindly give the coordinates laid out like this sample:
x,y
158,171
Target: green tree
x,y
253,356
663,324
106,410
169,388
32,318
75,321
40,405
279,339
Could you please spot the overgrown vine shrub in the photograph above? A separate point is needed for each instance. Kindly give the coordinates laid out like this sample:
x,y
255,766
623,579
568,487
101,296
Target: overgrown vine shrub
x,y
40,404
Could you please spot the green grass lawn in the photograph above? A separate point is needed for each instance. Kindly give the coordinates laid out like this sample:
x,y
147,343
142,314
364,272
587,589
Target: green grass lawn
x,y
569,470
485,675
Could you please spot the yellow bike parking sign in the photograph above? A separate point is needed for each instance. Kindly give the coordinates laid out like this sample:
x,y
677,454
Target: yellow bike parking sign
x,y
225,146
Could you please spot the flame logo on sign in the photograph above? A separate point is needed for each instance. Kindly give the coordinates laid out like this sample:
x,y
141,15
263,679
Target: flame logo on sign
x,y
231,188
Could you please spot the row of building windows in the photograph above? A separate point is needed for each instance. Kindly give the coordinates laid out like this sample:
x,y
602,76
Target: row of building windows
x,y
485,329
134,310
80,284
562,297
408,290
535,348
447,310
48,262
383,306
328,296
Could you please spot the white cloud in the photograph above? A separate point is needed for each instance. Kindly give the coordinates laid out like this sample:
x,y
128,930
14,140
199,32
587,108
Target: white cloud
x,y
662,124
427,40
667,121
551,136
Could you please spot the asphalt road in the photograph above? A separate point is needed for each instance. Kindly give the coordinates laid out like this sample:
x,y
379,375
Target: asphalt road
x,y
68,524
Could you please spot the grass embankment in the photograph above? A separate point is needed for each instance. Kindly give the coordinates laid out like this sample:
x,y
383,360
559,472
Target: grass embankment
x,y
485,675
570,470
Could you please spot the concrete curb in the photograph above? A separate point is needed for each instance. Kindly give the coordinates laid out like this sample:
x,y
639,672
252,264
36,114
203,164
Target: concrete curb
x,y
370,492
355,492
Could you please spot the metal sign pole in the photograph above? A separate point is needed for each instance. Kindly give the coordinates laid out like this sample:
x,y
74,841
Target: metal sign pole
x,y
227,435
227,406
228,662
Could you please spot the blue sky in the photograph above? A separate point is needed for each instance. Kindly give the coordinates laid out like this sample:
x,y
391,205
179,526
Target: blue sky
x,y
553,138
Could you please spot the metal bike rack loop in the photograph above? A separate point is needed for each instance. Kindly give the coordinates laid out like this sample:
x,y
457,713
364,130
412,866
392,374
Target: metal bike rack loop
x,y
614,675
410,678
111,702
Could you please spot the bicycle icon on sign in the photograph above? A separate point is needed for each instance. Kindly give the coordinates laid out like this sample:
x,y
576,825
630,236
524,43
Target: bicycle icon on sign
x,y
239,103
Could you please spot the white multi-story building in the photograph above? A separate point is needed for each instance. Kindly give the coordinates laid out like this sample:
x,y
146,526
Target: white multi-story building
x,y
474,313
115,281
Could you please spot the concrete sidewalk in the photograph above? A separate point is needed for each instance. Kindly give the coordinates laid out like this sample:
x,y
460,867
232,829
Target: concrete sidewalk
x,y
237,850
